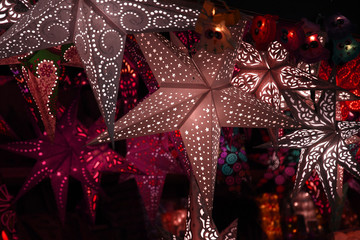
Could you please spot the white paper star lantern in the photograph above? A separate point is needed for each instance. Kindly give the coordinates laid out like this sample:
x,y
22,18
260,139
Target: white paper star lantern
x,y
99,29
195,96
322,143
267,74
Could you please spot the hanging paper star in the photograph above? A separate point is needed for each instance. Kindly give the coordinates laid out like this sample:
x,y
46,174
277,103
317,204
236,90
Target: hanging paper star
x,y
151,155
67,155
267,74
196,97
98,29
322,142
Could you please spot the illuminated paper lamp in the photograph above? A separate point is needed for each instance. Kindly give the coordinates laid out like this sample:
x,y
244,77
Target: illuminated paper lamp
x,y
263,30
322,143
151,155
68,156
345,49
195,96
338,26
98,29
213,25
267,74
312,50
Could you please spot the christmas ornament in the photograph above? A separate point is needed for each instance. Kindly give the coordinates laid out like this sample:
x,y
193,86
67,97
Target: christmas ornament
x,y
322,143
196,97
68,156
98,29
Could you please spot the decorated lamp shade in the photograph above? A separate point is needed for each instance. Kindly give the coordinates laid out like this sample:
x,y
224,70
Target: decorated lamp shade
x,y
263,30
312,50
67,155
291,36
338,26
195,96
98,29
345,49
322,143
213,26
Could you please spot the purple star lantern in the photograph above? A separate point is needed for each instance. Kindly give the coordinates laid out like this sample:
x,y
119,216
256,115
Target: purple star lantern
x,y
151,155
67,155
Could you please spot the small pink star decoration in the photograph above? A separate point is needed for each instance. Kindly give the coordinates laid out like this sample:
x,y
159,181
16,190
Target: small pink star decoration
x,y
152,156
67,155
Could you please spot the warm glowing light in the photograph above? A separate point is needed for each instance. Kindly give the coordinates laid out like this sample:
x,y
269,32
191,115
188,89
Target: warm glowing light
x,y
3,235
312,38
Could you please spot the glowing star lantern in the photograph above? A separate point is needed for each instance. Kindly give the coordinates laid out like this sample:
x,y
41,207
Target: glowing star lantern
x,y
322,143
212,25
267,74
98,28
195,96
67,156
345,49
263,30
151,155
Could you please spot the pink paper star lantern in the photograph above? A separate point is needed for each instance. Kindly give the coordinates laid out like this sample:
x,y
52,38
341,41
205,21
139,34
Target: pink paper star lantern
x,y
195,96
267,74
151,155
68,156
